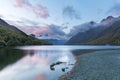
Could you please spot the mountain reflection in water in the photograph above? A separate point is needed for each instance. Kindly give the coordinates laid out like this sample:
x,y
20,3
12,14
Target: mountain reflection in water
x,y
42,62
36,65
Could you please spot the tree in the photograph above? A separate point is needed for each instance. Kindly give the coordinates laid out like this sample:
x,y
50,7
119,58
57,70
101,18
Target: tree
x,y
2,43
14,42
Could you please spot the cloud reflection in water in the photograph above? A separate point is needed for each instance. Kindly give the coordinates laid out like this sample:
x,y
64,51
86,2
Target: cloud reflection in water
x,y
36,65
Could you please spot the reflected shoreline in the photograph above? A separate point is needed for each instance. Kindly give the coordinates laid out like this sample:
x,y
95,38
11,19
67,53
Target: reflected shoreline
x,y
45,62
38,62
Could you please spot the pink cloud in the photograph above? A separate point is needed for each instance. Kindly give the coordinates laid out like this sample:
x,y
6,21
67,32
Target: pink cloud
x,y
39,10
40,30
36,30
45,31
18,3
40,77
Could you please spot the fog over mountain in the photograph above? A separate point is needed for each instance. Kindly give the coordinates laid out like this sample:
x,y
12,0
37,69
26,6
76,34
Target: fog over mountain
x,y
40,17
57,32
105,32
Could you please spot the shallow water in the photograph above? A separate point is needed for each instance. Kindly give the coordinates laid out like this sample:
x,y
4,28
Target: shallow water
x,y
43,62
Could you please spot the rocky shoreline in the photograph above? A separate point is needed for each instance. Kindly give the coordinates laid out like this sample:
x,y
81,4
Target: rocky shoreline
x,y
76,53
67,75
99,65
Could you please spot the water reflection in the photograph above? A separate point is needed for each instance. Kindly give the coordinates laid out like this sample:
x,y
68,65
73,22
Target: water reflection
x,y
36,65
40,62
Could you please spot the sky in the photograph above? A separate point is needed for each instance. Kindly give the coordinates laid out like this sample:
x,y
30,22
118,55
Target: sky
x,y
35,16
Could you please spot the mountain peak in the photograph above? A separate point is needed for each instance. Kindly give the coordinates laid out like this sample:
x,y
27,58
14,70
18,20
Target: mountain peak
x,y
107,19
110,17
92,22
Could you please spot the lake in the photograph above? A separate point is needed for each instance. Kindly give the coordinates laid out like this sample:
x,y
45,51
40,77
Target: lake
x,y
40,62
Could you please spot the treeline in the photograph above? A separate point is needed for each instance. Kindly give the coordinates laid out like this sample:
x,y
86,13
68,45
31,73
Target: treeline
x,y
9,56
9,37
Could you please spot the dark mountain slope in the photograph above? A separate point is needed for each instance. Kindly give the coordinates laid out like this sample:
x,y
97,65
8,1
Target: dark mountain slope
x,y
101,35
11,36
110,36
84,37
5,24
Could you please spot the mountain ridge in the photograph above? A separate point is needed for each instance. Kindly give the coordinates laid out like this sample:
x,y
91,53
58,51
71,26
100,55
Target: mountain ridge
x,y
12,36
100,35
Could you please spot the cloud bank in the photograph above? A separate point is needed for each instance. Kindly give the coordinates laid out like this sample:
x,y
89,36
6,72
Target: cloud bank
x,y
81,28
52,31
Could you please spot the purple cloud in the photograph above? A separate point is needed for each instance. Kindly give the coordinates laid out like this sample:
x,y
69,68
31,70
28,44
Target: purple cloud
x,y
51,31
39,10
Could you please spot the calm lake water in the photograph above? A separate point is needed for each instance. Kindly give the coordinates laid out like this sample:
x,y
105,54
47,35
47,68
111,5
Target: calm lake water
x,y
40,62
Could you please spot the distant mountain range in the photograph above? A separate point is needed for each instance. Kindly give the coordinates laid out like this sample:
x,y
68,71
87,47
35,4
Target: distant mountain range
x,y
56,41
107,32
12,36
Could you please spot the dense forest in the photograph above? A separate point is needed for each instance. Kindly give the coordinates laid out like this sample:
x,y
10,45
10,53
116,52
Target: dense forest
x,y
9,56
9,37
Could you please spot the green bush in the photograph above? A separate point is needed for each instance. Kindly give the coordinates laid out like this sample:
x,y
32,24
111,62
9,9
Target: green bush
x,y
2,43
14,43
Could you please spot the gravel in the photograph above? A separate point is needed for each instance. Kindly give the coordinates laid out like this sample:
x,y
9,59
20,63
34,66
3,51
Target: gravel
x,y
100,65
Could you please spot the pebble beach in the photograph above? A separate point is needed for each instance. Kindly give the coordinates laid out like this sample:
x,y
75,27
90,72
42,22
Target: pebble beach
x,y
98,65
